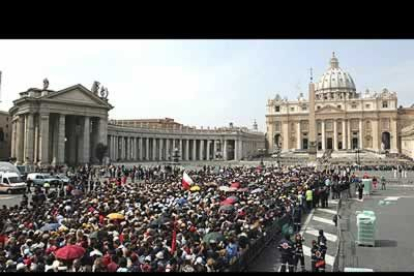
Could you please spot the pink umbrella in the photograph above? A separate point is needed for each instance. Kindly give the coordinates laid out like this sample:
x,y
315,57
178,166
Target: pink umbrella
x,y
227,202
235,185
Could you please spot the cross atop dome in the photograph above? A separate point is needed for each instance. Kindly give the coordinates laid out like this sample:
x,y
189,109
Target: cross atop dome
x,y
334,61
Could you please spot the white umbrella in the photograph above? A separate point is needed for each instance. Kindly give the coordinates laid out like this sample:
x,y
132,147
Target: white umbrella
x,y
224,188
257,191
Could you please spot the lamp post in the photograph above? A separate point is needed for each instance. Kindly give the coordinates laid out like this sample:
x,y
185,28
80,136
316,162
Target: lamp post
x,y
176,156
262,152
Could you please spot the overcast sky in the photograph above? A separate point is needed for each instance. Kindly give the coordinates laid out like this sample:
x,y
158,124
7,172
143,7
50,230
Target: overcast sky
x,y
201,82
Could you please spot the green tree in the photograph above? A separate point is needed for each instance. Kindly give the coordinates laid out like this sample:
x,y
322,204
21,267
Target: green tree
x,y
101,150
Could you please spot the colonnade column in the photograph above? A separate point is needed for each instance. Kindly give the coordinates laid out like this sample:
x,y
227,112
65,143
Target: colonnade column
x,y
187,149
30,138
298,146
225,150
343,135
61,140
335,138
214,149
201,149
140,148
194,150
161,149
181,149
360,135
20,140
349,134
86,139
44,138
323,134
208,150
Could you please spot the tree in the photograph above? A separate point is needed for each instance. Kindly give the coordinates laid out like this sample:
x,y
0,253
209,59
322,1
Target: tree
x,y
101,150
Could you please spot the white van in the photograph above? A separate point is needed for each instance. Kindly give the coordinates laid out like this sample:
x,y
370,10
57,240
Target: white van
x,y
10,182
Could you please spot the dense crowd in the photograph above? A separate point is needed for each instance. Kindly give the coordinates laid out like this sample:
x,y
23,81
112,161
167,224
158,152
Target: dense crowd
x,y
144,220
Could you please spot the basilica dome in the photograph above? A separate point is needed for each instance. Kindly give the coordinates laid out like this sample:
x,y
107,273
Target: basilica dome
x,y
335,80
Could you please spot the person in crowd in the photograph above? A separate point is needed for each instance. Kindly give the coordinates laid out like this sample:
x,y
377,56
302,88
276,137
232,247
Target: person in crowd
x,y
322,243
299,255
383,182
287,251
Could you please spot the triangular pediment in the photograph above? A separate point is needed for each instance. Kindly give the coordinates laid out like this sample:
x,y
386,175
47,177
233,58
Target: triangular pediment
x,y
328,109
78,94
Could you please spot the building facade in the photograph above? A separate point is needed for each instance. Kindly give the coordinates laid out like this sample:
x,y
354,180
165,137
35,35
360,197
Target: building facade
x,y
65,127
336,117
5,135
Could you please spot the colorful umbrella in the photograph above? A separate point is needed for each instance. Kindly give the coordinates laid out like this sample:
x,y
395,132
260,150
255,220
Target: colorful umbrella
x,y
235,185
224,188
243,190
115,216
232,189
226,208
213,237
76,192
70,252
50,227
226,202
232,199
195,188
257,191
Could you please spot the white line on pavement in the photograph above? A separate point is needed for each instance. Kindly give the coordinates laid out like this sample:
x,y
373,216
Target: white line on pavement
x,y
332,201
328,258
324,220
333,212
7,197
308,219
329,237
392,198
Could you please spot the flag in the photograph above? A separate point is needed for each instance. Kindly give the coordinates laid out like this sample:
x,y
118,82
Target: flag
x,y
174,238
187,181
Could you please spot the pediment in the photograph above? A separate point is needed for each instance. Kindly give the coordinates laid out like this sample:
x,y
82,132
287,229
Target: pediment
x,y
78,94
328,109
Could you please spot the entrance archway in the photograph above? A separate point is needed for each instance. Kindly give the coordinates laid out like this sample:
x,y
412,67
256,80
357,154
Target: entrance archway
x,y
329,143
278,140
305,143
386,139
354,143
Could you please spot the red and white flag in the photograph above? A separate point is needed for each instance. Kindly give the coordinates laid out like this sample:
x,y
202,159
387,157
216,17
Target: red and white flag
x,y
187,181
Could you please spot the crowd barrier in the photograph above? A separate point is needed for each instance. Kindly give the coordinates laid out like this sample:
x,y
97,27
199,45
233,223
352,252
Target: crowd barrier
x,y
257,246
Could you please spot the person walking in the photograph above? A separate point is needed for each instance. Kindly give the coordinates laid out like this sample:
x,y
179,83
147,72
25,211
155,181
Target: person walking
x,y
360,190
316,257
297,218
309,199
287,251
299,256
383,183
322,243
29,186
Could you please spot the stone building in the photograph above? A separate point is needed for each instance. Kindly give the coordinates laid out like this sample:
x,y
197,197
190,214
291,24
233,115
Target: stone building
x,y
5,135
65,127
336,117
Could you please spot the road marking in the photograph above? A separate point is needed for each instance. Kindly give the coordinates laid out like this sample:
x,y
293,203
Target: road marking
x,y
7,197
333,212
328,258
308,219
329,237
332,201
324,220
391,198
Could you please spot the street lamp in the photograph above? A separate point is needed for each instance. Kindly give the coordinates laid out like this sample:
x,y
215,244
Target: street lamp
x,y
262,152
176,155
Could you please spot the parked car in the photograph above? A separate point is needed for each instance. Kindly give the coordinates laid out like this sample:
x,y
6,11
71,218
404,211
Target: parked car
x,y
41,178
63,178
11,182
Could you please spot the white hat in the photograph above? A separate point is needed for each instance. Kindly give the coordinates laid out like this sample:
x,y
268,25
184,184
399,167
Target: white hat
x,y
148,258
20,266
160,255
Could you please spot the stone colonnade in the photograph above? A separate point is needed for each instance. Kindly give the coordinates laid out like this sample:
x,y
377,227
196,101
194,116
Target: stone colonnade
x,y
136,144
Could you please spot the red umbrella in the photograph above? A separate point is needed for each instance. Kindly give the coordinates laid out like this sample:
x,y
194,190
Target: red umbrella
x,y
226,202
235,185
231,199
70,252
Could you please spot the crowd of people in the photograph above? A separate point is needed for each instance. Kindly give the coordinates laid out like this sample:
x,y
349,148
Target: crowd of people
x,y
145,220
